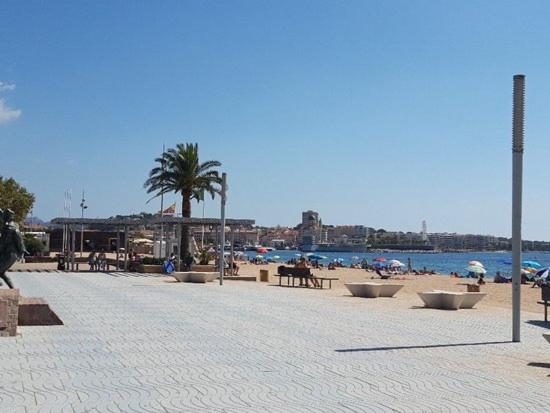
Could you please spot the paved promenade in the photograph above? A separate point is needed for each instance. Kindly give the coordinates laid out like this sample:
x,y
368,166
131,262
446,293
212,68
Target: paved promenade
x,y
144,344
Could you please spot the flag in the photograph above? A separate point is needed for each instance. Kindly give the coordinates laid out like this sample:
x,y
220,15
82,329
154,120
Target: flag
x,y
171,210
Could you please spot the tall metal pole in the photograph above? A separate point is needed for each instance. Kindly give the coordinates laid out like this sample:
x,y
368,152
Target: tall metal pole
x,y
178,240
83,206
517,184
73,246
231,259
117,247
161,255
222,226
126,248
202,233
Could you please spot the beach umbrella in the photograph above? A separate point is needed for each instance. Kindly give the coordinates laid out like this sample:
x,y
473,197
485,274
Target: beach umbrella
x,y
355,257
476,269
396,263
142,241
312,256
476,263
529,275
298,255
525,264
531,264
338,260
379,264
276,257
259,256
380,259
543,275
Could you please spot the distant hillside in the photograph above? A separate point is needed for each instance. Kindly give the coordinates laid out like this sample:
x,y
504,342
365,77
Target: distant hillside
x,y
35,221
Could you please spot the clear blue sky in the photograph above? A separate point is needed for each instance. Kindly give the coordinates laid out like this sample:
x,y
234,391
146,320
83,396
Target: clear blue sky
x,y
380,113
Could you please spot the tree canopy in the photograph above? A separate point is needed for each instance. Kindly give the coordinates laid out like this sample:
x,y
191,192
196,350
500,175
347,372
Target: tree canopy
x,y
15,197
179,170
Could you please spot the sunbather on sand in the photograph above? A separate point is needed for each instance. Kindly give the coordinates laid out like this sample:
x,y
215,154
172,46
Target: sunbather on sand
x,y
302,263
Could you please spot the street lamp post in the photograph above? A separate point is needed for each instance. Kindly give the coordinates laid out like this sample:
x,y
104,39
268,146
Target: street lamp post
x,y
83,206
517,183
222,226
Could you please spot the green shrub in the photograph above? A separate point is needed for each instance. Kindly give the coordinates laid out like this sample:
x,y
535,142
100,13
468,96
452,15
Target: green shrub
x,y
34,245
204,257
152,261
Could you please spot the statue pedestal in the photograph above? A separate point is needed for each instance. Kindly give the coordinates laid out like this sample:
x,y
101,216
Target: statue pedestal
x,y
35,311
9,310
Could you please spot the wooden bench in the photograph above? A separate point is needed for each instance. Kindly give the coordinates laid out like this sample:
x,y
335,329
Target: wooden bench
x,y
545,295
302,274
329,279
545,303
293,273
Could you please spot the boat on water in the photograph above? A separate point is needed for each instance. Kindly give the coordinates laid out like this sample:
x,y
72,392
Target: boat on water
x,y
257,248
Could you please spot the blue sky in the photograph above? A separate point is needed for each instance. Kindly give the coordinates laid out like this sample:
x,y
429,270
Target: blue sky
x,y
381,113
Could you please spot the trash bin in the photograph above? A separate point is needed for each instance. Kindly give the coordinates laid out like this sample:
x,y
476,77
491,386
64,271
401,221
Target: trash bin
x,y
61,262
264,276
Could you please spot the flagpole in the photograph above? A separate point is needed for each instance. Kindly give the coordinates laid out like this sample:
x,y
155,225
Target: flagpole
x,y
161,207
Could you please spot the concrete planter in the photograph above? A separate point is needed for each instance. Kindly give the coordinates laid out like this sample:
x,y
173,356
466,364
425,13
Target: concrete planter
x,y
203,268
149,269
195,276
373,290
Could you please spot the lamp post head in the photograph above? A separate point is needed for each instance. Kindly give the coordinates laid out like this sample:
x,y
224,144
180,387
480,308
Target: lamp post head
x,y
518,113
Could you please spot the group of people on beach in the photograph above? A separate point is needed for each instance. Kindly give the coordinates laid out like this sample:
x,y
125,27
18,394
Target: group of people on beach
x,y
97,262
228,265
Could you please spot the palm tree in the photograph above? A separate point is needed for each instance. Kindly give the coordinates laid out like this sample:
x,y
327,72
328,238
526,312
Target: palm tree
x,y
180,171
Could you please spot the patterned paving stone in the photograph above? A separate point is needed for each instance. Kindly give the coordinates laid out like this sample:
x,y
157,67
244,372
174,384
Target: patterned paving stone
x,y
139,343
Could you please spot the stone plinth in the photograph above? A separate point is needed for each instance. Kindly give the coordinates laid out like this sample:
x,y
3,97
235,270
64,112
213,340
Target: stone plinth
x,y
9,312
34,311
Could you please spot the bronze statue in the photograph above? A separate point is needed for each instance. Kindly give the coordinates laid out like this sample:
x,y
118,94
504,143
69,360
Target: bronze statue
x,y
12,247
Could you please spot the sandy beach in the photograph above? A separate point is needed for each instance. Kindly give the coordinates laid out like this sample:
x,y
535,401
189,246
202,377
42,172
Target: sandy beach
x,y
498,295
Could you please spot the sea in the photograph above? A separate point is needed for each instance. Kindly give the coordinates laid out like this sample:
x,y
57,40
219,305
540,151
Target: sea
x,y
440,262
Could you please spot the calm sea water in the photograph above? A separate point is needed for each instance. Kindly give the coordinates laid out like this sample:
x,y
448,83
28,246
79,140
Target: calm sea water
x,y
443,263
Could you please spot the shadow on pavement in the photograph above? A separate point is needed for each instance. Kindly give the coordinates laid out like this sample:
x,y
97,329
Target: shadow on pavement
x,y
352,350
539,323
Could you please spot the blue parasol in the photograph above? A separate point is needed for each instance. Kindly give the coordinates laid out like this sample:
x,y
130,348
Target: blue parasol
x,y
532,264
312,256
526,263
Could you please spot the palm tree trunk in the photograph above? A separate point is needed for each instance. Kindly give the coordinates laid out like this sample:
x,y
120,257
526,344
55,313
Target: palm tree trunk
x,y
185,213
